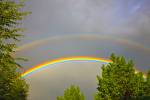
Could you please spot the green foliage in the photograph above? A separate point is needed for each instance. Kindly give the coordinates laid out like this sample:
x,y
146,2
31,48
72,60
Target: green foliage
x,y
147,87
72,93
11,86
119,81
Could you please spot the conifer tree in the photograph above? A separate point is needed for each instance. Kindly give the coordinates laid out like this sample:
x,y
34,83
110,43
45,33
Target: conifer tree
x,y
12,87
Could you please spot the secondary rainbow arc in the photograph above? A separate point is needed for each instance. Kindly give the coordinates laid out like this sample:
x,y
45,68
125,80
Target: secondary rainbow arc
x,y
79,58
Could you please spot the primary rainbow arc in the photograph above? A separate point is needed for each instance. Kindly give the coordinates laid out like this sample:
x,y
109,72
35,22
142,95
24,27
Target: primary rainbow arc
x,y
80,58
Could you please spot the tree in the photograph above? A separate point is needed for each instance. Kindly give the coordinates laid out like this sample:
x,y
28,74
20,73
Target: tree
x,y
119,81
147,87
72,93
12,87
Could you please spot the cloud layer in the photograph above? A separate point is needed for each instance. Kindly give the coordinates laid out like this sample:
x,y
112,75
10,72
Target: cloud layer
x,y
121,18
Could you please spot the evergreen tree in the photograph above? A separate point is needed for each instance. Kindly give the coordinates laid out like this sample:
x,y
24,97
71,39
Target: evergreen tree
x,y
72,93
119,81
147,87
12,87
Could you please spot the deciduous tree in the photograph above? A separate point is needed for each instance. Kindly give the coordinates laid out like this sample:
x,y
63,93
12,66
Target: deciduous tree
x,y
119,80
72,93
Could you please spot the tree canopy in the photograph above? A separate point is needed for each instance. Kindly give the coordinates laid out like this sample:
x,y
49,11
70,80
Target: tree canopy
x,y
12,87
72,93
120,81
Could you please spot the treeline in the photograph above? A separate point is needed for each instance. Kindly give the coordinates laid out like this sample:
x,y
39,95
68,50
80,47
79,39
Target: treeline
x,y
119,81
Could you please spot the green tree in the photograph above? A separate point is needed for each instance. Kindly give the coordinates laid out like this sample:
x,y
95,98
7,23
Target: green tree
x,y
72,93
119,81
147,87
12,87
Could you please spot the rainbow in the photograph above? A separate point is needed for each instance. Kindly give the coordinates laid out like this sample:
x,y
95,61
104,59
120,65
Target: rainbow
x,y
79,58
87,36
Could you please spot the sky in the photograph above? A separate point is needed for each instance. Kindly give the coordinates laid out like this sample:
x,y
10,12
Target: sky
x,y
122,18
50,82
96,28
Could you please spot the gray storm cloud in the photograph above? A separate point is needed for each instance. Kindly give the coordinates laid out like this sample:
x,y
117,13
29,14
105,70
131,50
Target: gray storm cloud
x,y
121,18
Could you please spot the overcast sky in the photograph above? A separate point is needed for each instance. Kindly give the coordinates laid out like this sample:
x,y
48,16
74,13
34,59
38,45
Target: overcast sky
x,y
129,19
63,28
120,19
